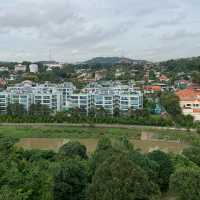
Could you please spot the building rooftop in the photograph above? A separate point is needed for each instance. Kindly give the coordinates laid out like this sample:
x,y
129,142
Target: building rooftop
x,y
189,94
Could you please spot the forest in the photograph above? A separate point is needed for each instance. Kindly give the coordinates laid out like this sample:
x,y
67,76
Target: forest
x,y
115,170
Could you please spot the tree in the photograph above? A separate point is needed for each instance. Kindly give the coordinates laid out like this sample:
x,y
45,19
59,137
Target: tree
x,y
101,112
70,181
171,103
16,109
120,179
165,168
196,77
6,145
181,161
123,145
116,112
39,110
152,75
72,149
104,144
149,166
198,129
185,184
103,151
193,153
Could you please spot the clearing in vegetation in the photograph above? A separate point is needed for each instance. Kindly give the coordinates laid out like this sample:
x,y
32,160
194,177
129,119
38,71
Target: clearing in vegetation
x,y
167,140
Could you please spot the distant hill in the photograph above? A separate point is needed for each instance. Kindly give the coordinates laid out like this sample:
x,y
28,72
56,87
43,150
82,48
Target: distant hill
x,y
113,60
182,64
47,62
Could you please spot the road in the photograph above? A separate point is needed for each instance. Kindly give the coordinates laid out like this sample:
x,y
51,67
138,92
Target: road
x,y
93,125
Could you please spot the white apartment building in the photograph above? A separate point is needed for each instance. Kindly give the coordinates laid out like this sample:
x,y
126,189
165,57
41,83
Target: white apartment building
x,y
3,69
33,68
60,97
52,100
4,101
81,101
52,95
20,68
7,98
123,97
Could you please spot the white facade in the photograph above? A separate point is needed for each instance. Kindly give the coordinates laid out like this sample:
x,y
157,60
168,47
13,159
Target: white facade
x,y
3,69
81,101
3,101
60,97
123,97
20,68
52,95
33,68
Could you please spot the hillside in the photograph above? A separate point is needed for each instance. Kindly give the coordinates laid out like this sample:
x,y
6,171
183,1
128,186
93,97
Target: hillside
x,y
113,60
182,65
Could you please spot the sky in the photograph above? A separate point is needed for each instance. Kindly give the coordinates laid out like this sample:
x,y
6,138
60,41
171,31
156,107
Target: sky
x,y
77,30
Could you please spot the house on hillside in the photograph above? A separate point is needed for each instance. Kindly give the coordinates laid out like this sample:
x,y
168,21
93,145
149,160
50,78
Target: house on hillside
x,y
190,101
20,68
163,79
152,89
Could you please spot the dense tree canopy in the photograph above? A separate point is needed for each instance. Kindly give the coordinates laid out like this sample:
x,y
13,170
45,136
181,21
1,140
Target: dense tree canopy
x,y
72,149
193,153
171,103
185,184
70,181
165,168
120,179
116,170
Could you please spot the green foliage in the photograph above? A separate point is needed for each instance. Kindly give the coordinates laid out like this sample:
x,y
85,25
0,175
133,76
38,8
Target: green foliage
x,y
182,65
72,149
193,153
171,103
196,77
152,75
149,166
165,168
116,170
104,144
198,129
103,151
16,110
39,110
123,145
120,179
181,161
70,181
6,144
185,184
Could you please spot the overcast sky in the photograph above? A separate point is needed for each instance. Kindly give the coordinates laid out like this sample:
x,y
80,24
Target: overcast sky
x,y
75,30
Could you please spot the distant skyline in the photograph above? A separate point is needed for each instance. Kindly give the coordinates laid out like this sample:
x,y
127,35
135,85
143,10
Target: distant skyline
x,y
77,30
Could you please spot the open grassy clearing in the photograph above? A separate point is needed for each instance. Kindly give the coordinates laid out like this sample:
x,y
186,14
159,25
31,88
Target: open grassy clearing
x,y
91,143
66,132
168,140
90,132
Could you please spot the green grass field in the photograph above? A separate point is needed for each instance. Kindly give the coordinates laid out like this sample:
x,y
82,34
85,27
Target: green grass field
x,y
66,132
90,132
169,140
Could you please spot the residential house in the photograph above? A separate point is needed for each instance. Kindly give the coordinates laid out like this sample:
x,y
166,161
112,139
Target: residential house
x,y
190,101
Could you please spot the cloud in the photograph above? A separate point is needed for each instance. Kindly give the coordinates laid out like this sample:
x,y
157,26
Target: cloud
x,y
180,35
177,19
91,27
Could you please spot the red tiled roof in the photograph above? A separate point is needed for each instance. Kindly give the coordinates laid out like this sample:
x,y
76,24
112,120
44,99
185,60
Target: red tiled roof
x,y
163,78
2,82
189,94
155,88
